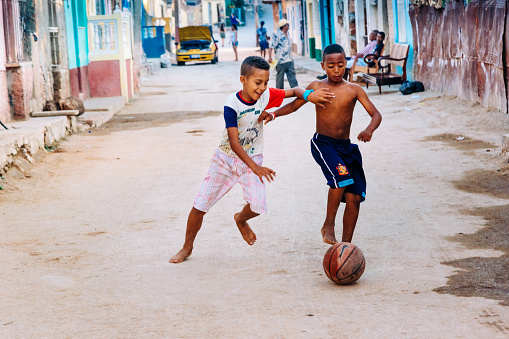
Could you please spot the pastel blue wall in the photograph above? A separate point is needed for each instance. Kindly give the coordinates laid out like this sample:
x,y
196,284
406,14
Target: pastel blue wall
x,y
76,27
400,32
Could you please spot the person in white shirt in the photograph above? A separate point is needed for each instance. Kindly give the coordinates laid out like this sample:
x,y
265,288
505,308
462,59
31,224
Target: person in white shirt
x,y
282,46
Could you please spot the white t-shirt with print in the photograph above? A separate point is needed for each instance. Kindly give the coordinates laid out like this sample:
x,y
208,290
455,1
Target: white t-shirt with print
x,y
244,115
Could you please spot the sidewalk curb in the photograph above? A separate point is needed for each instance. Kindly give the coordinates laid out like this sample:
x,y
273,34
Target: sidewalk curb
x,y
99,110
311,66
29,137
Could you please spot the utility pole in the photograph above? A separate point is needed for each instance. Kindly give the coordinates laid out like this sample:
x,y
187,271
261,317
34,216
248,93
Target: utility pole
x,y
137,43
177,23
283,9
256,20
275,12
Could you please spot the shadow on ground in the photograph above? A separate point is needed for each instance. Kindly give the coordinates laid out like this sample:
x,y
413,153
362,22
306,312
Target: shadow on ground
x,y
147,120
481,276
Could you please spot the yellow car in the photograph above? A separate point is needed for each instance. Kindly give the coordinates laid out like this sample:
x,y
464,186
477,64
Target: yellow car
x,y
196,44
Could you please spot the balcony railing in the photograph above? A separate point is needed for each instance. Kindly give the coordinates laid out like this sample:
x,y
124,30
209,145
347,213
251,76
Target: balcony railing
x,y
104,37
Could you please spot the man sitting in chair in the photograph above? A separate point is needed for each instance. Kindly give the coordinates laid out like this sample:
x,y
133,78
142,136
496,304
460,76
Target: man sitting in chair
x,y
367,50
359,61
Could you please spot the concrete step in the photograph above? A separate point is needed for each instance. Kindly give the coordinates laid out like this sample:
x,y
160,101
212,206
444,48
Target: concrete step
x,y
26,138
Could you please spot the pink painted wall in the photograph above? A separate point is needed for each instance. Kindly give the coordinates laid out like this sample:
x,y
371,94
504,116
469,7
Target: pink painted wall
x,y
104,78
80,75
20,81
129,77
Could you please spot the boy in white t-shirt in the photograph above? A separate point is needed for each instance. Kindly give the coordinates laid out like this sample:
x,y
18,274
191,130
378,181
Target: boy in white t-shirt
x,y
238,158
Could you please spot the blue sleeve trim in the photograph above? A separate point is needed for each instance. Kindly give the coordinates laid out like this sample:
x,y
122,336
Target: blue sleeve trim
x,y
230,117
345,183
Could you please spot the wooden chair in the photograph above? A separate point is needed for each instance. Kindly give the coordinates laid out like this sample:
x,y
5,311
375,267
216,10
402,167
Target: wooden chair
x,y
398,57
366,69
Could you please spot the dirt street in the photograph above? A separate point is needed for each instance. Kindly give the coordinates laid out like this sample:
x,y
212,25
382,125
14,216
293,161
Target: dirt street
x,y
88,232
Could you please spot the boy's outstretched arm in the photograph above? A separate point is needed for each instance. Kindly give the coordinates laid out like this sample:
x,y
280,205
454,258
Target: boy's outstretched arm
x,y
376,117
286,109
233,137
318,97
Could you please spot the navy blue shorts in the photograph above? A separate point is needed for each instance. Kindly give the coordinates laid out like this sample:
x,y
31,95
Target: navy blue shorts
x,y
341,163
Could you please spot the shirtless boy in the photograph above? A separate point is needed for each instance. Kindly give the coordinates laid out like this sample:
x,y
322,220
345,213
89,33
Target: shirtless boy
x,y
340,160
238,158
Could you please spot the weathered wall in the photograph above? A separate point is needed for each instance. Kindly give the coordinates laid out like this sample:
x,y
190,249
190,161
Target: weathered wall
x,y
41,58
49,83
21,85
458,50
506,54
5,110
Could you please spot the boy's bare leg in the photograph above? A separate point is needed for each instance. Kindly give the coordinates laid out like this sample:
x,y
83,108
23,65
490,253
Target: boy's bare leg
x,y
333,200
350,216
194,222
241,221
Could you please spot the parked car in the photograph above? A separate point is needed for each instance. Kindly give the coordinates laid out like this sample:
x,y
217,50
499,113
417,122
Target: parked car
x,y
196,44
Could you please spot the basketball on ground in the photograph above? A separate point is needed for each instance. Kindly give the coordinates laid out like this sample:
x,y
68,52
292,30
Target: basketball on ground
x,y
344,263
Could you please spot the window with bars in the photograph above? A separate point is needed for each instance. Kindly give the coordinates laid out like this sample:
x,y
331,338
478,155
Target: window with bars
x,y
19,24
54,33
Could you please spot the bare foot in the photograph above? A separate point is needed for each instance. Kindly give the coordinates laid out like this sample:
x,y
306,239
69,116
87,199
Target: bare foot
x,y
180,256
328,235
246,231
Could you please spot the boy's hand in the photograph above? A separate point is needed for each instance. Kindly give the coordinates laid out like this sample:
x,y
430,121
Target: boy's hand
x,y
365,135
265,116
320,97
264,172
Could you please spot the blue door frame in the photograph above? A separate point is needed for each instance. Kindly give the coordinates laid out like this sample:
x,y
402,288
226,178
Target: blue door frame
x,y
409,35
326,24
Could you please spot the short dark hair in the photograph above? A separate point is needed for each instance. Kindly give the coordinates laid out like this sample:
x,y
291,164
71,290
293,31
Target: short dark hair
x,y
262,23
252,62
382,34
332,49
375,31
234,26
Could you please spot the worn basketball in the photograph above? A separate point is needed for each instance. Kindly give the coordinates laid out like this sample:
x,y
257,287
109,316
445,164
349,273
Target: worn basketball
x,y
344,263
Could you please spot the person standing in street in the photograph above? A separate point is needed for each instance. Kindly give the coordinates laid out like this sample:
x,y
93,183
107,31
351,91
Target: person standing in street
x,y
261,34
234,40
222,32
282,46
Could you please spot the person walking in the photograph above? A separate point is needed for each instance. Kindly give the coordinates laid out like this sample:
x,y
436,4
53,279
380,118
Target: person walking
x,y
282,46
261,34
222,32
234,40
